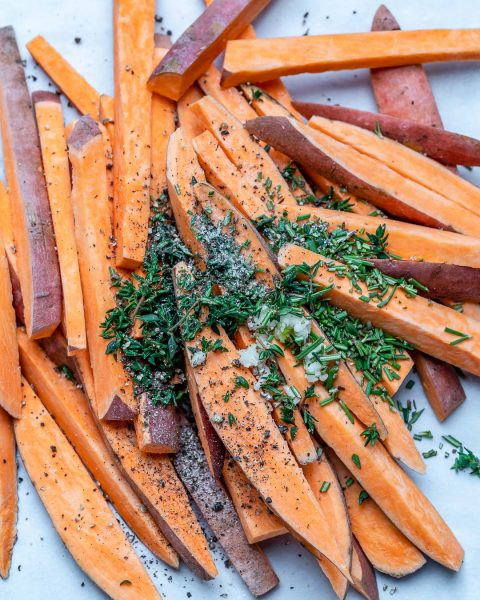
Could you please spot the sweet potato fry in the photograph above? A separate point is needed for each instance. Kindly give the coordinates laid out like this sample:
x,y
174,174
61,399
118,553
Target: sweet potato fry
x,y
113,389
10,383
78,511
385,546
77,89
264,59
216,507
72,413
133,23
254,163
37,263
365,176
200,44
156,427
258,522
8,493
431,327
445,146
163,125
461,284
49,115
155,481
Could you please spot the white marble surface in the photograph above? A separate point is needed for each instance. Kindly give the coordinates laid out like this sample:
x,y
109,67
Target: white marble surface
x,y
42,568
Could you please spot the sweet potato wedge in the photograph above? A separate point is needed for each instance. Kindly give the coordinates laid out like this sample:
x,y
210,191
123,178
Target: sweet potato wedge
x,y
49,115
258,522
242,424
10,382
37,263
264,59
113,389
78,511
75,87
163,125
254,163
155,481
72,413
200,44
460,284
8,493
366,177
422,322
156,427
441,384
410,242
212,445
385,546
405,161
364,578
217,509
133,24
445,146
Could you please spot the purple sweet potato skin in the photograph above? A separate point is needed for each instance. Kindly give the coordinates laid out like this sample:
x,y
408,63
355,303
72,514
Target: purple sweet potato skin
x,y
158,426
444,146
32,222
216,507
461,284
203,41
283,136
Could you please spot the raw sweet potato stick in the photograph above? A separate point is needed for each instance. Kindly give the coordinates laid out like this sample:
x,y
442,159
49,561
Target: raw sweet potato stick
x,y
113,388
406,92
8,493
133,23
49,115
37,263
79,512
75,87
72,413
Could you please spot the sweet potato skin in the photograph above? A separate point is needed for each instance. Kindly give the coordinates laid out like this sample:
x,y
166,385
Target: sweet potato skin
x,y
156,427
8,493
445,146
217,508
200,44
38,269
461,284
364,578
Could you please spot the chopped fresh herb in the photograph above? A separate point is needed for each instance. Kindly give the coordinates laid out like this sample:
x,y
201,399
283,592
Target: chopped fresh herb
x,y
452,441
378,130
349,482
466,459
409,385
309,420
347,412
226,398
126,582
325,487
356,461
429,454
462,337
371,435
293,432
423,435
362,497
231,419
241,382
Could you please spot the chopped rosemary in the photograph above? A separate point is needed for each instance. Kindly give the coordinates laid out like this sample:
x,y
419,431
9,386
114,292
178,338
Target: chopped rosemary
x,y
429,454
325,487
462,337
362,497
371,435
356,461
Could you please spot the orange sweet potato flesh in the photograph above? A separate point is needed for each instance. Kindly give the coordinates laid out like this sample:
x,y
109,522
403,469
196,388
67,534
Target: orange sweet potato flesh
x,y
445,146
37,263
163,125
212,445
386,547
200,44
301,444
210,497
72,413
113,389
8,493
364,577
405,161
10,383
415,319
107,114
156,427
247,442
155,481
49,115
254,163
366,177
133,24
263,59
258,522
6,229
75,87
189,122
78,511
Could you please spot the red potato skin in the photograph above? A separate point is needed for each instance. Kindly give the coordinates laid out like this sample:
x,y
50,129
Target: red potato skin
x,y
216,507
156,427
200,44
446,147
284,136
461,284
38,269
